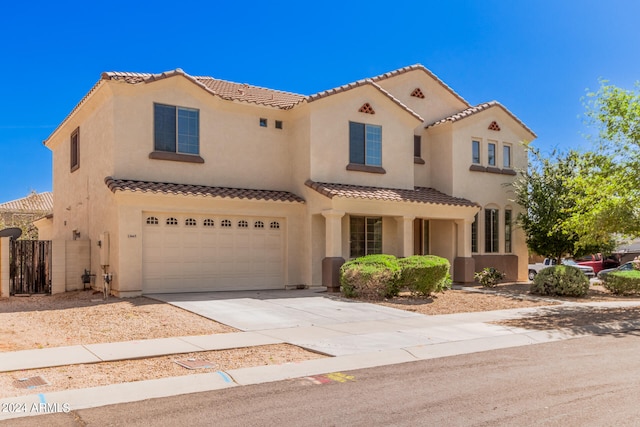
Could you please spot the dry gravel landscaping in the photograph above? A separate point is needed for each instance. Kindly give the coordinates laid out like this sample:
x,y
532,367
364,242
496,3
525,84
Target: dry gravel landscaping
x,y
82,317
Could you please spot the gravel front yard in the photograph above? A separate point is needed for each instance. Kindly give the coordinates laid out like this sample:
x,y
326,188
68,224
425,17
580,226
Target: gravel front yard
x,y
82,317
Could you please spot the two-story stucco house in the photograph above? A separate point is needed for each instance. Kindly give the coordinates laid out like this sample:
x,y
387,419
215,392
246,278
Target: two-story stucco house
x,y
186,183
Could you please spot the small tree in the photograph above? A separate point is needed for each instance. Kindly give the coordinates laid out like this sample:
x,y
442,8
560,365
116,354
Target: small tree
x,y
543,192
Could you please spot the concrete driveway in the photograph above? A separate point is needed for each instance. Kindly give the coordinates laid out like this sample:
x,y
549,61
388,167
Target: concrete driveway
x,y
331,325
262,310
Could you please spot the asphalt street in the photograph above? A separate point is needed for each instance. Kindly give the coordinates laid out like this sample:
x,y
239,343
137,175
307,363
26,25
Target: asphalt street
x,y
592,381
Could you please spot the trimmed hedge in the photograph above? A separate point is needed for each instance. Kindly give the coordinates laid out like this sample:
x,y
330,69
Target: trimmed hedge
x,y
561,280
383,276
371,276
424,274
623,282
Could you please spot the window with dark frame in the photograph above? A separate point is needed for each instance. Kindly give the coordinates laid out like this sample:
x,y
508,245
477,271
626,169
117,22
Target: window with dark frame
x,y
263,122
507,230
365,236
475,152
474,234
365,144
506,156
75,149
176,129
491,231
278,124
491,150
417,146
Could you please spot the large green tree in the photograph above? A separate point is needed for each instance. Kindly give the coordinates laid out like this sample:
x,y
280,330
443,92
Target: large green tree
x,y
610,177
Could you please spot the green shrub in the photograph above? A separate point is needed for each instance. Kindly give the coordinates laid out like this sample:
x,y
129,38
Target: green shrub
x,y
424,275
489,277
623,282
371,276
562,280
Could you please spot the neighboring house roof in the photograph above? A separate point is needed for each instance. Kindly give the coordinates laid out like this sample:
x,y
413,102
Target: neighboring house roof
x,y
126,185
360,83
417,195
34,203
423,69
477,109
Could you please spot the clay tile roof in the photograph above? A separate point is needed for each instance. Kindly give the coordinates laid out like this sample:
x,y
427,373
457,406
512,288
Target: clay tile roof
x,y
34,203
116,185
417,195
224,89
360,83
478,108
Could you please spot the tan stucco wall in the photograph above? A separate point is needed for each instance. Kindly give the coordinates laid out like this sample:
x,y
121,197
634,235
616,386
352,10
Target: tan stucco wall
x,y
329,133
231,139
490,189
437,103
438,143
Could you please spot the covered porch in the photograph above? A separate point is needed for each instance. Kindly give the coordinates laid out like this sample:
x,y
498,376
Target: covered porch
x,y
360,220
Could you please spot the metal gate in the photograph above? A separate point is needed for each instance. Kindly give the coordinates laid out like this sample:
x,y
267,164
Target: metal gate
x,y
30,266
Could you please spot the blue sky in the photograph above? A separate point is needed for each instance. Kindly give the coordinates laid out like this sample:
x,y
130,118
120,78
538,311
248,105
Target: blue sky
x,y
535,57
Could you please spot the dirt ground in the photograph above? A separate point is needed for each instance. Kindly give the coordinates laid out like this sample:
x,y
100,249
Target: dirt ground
x,y
83,317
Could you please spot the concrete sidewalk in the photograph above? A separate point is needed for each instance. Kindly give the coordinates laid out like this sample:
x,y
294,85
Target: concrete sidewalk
x,y
355,345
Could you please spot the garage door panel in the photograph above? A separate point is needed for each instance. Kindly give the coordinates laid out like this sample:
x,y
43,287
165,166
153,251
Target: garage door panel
x,y
228,253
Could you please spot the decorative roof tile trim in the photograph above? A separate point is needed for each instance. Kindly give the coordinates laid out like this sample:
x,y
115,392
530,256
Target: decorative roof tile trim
x,y
116,185
424,69
417,195
360,83
34,203
478,108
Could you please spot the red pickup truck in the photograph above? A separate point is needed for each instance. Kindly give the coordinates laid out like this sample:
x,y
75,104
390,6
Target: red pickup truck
x,y
598,262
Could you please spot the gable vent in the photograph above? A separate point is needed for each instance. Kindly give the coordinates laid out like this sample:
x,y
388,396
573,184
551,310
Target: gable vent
x,y
417,93
494,126
366,108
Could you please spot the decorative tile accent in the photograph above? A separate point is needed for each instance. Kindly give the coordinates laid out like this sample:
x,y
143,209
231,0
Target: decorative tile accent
x,y
494,126
366,108
417,93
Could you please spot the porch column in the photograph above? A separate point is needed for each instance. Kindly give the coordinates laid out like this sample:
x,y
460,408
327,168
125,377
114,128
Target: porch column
x,y
405,235
333,249
463,265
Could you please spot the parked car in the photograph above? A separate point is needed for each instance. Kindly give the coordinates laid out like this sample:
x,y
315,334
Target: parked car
x,y
624,267
599,262
535,268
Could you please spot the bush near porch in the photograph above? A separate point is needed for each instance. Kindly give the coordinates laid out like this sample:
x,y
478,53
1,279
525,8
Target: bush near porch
x,y
384,276
623,282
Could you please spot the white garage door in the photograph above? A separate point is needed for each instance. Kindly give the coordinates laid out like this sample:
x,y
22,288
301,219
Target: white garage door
x,y
196,253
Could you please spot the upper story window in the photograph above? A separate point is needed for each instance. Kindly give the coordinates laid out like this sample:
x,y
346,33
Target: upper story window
x,y
491,154
75,149
417,146
506,156
475,152
365,144
263,122
176,129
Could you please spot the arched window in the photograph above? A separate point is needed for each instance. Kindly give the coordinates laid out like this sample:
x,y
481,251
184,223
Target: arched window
x,y
190,222
152,220
208,222
275,225
172,221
